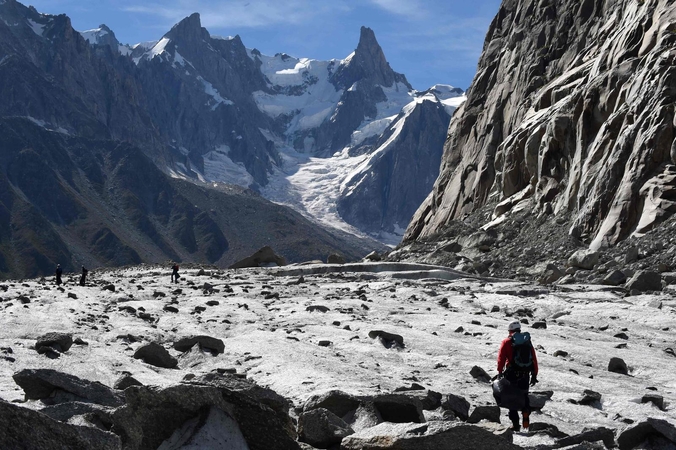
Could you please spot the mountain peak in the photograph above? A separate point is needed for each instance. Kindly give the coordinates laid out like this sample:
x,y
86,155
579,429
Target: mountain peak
x,y
189,28
368,63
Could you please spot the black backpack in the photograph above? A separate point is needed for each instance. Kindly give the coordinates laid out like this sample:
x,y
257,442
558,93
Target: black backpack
x,y
522,351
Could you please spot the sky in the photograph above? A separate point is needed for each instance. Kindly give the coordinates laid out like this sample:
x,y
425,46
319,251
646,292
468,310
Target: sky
x,y
429,41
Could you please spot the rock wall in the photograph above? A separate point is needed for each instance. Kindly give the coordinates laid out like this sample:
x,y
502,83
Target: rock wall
x,y
571,112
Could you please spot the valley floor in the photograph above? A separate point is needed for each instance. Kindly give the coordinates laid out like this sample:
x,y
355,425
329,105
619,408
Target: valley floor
x,y
273,334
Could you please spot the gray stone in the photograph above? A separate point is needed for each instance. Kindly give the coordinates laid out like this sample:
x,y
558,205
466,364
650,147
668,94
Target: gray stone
x,y
125,381
655,399
388,436
156,355
615,278
321,428
264,257
669,278
58,341
338,402
598,434
399,408
480,374
638,434
205,342
35,430
631,255
645,280
490,413
590,398
457,405
551,274
389,340
584,259
42,384
335,258
618,365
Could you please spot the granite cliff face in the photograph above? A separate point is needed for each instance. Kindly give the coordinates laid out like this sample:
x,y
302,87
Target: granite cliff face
x,y
571,113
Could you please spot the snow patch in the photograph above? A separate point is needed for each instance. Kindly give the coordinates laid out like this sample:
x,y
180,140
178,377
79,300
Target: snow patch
x,y
211,91
37,28
94,35
218,167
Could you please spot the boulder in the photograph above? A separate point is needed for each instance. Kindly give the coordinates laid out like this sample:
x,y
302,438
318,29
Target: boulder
x,y
63,412
669,278
490,413
645,280
156,355
205,342
425,437
618,365
650,428
631,255
125,381
584,259
480,374
457,405
373,256
615,278
430,400
335,258
321,428
655,399
338,402
551,274
263,257
389,340
598,434
60,342
227,410
590,398
41,384
34,430
399,408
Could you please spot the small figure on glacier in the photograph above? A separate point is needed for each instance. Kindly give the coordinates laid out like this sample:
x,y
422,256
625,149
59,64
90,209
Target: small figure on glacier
x,y
83,277
517,370
58,273
174,273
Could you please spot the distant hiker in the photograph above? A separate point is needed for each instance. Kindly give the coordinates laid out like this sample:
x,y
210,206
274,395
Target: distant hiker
x,y
174,273
58,274
83,276
517,368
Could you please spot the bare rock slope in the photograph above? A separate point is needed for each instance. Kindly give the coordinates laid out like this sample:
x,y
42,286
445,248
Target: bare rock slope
x,y
571,113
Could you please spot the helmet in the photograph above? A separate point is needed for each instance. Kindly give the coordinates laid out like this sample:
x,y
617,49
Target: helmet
x,y
516,325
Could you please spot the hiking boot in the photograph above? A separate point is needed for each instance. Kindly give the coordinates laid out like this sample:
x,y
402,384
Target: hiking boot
x,y
526,420
516,427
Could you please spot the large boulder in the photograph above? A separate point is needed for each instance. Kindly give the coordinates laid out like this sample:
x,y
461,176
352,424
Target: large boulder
x,y
321,428
597,434
617,365
264,257
57,387
57,341
388,436
25,428
655,429
399,408
645,280
156,355
584,259
207,410
457,405
338,402
205,342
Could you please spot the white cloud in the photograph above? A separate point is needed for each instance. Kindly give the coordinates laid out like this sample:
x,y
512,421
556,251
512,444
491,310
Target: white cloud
x,y
242,13
414,9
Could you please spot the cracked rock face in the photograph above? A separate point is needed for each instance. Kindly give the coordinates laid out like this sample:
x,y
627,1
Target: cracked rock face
x,y
571,112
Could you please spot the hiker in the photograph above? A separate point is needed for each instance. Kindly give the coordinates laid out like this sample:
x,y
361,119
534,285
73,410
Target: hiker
x,y
174,273
58,274
518,364
83,276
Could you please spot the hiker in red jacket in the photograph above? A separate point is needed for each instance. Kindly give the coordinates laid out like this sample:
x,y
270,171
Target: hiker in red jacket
x,y
518,363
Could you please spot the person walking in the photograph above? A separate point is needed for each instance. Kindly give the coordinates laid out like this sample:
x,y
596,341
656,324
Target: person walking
x,y
517,362
58,274
174,273
83,276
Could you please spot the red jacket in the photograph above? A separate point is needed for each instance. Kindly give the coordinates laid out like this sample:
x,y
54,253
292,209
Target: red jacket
x,y
505,356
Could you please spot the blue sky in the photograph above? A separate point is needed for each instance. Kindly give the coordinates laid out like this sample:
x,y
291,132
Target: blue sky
x,y
430,41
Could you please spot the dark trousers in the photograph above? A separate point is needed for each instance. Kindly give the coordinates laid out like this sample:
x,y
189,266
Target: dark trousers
x,y
522,381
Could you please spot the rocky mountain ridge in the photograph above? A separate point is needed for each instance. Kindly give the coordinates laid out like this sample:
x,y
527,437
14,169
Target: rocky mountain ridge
x,y
569,122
